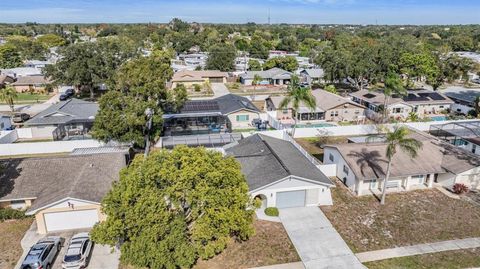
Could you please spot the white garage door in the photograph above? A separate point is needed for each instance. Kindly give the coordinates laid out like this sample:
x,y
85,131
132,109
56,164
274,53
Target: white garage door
x,y
70,220
291,199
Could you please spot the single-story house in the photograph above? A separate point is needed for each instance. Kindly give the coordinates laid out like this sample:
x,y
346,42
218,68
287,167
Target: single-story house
x,y
362,166
310,76
464,99
37,64
190,78
279,174
424,103
63,193
219,115
73,117
274,76
31,84
329,107
21,72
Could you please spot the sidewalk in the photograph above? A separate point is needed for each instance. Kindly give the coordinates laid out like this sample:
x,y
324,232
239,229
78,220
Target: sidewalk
x,y
293,265
384,254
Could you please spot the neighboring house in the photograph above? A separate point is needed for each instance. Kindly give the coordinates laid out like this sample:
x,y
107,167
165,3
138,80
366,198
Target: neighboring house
x,y
274,76
219,115
65,119
465,135
190,78
31,84
362,166
194,59
63,193
464,99
424,103
330,107
21,72
311,76
279,174
37,64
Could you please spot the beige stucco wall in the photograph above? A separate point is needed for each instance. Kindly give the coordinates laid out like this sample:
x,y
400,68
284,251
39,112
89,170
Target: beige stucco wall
x,y
347,112
189,84
39,217
242,124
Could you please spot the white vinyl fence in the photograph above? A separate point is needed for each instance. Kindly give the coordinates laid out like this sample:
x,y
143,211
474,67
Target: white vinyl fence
x,y
46,147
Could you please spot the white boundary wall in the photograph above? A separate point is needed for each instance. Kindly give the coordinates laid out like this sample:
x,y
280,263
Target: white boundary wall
x,y
46,147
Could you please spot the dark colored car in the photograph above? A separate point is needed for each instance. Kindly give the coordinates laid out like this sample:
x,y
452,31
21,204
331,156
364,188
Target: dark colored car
x,y
69,92
42,254
63,97
20,117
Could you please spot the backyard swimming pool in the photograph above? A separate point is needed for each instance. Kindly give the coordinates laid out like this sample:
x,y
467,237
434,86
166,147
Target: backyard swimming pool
x,y
439,118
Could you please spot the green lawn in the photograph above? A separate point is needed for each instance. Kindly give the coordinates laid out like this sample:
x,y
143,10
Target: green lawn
x,y
466,258
30,98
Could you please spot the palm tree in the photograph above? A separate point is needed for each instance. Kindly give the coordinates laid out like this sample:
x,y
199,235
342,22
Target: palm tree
x,y
256,80
8,95
297,95
393,86
413,117
477,106
398,138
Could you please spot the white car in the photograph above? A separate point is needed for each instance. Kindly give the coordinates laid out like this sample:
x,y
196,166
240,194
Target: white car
x,y
77,254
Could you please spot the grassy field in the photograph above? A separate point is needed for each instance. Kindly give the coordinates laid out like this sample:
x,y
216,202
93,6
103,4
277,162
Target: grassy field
x,y
465,258
26,98
414,217
11,233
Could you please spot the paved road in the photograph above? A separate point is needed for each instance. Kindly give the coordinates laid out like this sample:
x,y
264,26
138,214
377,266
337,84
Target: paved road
x,y
317,242
419,249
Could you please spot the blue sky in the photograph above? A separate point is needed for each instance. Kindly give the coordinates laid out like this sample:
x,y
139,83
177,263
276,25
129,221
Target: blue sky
x,y
242,11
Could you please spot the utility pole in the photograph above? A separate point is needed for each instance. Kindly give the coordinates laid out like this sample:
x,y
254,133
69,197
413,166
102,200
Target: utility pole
x,y
149,113
268,16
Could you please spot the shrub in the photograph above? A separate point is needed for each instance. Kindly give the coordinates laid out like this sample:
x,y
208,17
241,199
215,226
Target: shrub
x,y
197,87
9,213
271,211
460,188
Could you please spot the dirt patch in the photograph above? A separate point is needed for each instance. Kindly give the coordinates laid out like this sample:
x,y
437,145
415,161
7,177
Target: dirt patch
x,y
314,144
466,258
11,233
408,218
270,245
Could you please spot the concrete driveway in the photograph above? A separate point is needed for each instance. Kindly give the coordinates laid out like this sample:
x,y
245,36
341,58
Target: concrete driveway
x,y
101,256
219,89
318,244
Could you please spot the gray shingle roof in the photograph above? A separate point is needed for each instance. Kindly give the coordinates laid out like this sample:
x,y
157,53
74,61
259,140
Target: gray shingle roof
x,y
64,112
274,73
86,177
266,160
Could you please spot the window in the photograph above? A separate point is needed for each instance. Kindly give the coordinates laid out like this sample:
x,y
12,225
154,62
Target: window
x,y
285,111
345,169
242,117
397,110
331,157
419,178
441,106
474,148
85,244
334,113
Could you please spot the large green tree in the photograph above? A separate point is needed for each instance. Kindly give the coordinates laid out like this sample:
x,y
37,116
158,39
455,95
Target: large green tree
x,y
9,57
8,95
139,84
176,206
90,64
288,63
221,57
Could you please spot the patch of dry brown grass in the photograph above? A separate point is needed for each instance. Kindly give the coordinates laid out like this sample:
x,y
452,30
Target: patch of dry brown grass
x,y
11,233
408,218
